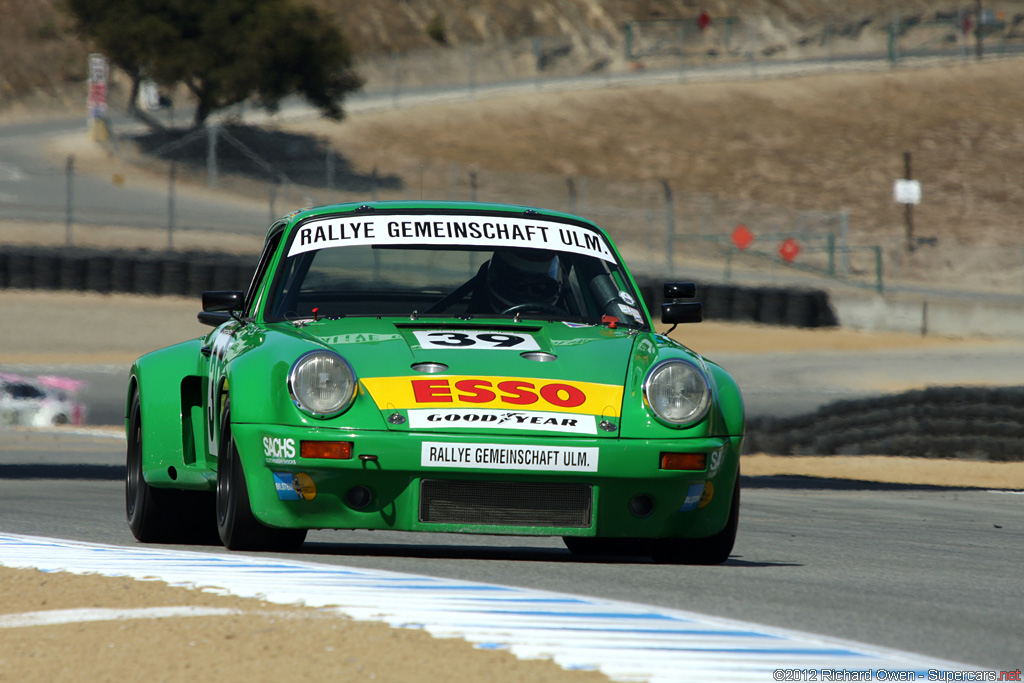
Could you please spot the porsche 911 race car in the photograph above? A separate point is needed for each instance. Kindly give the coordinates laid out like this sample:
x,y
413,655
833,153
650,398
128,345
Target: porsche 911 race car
x,y
437,366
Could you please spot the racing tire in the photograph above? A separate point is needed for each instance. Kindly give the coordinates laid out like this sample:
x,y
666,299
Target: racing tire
x,y
237,527
161,515
711,550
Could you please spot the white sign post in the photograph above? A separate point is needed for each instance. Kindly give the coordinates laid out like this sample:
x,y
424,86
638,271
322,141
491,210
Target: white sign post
x,y
907,191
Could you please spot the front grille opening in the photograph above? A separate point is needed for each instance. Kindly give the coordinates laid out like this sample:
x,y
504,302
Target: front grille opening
x,y
506,503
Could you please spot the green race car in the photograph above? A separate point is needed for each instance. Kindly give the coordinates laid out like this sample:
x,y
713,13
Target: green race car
x,y
437,366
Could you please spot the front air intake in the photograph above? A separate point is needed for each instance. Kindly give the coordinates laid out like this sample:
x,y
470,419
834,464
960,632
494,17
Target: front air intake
x,y
505,503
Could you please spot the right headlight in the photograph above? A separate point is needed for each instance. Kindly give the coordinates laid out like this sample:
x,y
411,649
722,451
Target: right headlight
x,y
677,392
322,383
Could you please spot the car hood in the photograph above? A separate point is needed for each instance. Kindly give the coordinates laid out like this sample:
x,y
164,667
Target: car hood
x,y
552,378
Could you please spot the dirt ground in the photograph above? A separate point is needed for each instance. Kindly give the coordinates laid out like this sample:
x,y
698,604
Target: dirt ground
x,y
258,641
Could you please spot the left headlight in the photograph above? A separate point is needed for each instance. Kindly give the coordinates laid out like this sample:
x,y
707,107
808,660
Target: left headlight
x,y
322,383
677,392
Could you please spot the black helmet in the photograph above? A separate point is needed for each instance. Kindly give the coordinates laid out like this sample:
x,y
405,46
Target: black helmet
x,y
524,276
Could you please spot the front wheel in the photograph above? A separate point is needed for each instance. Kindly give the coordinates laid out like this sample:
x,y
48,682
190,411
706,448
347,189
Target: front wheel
x,y
237,526
711,550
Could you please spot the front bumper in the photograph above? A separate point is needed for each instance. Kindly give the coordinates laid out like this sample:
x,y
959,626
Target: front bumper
x,y
487,483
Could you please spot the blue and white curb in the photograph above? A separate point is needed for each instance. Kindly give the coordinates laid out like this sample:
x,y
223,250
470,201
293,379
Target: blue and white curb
x,y
625,641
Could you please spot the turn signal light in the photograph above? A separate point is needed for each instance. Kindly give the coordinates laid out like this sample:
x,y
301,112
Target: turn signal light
x,y
330,450
684,461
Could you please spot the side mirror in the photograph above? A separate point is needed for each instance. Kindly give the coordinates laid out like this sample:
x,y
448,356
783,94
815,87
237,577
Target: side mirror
x,y
216,301
218,305
682,312
680,290
675,312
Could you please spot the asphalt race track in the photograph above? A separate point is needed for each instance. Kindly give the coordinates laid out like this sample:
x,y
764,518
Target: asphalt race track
x,y
928,570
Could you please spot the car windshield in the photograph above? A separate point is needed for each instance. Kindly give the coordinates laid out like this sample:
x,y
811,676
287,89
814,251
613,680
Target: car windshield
x,y
538,270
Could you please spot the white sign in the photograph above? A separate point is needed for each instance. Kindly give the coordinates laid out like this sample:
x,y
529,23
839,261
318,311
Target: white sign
x,y
495,456
98,72
474,339
452,230
907,192
484,418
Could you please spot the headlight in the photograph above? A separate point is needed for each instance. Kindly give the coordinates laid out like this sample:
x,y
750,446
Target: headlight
x,y
677,392
322,383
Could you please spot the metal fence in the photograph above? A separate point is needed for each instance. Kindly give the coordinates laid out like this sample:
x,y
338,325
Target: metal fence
x,y
660,230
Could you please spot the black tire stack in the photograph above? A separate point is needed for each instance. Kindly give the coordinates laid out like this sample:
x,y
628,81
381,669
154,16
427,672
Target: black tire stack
x,y
156,273
789,306
978,423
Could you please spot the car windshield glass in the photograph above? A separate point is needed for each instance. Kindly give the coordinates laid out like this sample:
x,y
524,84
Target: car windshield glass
x,y
579,282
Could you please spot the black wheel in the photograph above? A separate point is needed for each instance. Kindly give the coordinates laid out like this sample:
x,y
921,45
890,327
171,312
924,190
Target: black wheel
x,y
237,527
711,550
161,515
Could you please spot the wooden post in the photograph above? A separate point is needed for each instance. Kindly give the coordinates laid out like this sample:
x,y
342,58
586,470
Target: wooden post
x,y
908,207
979,51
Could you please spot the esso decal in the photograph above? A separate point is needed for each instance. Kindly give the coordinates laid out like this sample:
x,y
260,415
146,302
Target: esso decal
x,y
511,392
474,339
278,448
502,393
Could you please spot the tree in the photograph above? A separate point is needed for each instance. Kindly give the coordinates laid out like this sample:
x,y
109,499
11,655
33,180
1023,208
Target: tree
x,y
224,51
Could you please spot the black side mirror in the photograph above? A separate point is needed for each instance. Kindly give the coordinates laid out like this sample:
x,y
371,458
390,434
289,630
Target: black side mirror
x,y
678,312
680,290
219,305
223,301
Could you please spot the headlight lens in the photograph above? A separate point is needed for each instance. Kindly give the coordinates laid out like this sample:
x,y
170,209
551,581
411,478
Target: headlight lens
x,y
322,383
677,392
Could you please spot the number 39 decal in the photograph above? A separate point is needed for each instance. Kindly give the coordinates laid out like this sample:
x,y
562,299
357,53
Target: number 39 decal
x,y
474,339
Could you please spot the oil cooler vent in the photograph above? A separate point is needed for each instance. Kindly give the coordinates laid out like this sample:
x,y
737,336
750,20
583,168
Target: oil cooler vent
x,y
505,503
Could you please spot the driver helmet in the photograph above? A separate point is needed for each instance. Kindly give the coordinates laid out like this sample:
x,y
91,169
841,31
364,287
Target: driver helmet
x,y
524,276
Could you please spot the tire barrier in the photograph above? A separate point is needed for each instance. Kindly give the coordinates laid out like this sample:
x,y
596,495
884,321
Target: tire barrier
x,y
123,271
977,423
190,274
766,305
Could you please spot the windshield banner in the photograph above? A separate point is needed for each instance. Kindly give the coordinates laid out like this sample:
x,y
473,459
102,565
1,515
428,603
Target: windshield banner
x,y
447,231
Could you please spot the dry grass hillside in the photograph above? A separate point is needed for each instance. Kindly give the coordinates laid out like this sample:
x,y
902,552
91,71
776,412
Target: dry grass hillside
x,y
40,54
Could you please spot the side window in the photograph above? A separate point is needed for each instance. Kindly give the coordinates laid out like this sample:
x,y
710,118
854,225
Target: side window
x,y
261,271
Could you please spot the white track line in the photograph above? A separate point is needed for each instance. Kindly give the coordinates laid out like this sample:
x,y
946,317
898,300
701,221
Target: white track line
x,y
626,641
56,617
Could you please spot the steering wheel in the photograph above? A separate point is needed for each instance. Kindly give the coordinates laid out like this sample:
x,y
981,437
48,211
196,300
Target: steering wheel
x,y
539,306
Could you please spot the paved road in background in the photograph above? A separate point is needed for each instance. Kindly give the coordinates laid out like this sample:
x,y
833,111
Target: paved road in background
x,y
923,569
34,187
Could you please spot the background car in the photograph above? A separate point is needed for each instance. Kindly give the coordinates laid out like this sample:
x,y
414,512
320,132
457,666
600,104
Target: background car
x,y
40,401
437,366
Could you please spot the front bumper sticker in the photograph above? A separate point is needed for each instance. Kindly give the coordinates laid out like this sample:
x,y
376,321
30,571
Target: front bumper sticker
x,y
508,457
